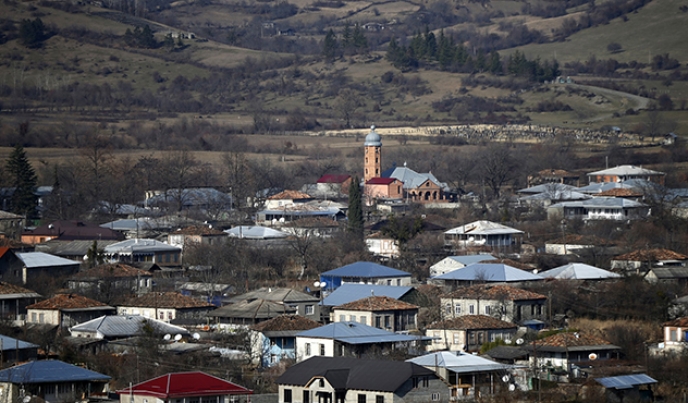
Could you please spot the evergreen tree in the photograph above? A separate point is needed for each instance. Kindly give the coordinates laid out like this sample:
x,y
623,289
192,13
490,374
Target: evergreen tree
x,y
95,256
32,33
347,38
495,64
330,46
146,38
355,213
24,180
360,40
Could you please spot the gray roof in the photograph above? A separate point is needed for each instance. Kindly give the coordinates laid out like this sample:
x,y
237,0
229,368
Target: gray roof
x,y
625,381
460,362
275,294
601,202
413,179
147,223
506,353
470,259
191,197
254,310
489,272
372,139
10,343
365,270
139,246
550,188
70,248
625,170
125,326
566,195
483,227
39,259
670,272
255,232
578,271
354,373
358,333
599,187
350,292
49,371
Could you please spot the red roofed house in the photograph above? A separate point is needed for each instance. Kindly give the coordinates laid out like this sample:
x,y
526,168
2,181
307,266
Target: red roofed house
x,y
286,198
67,230
66,310
675,335
335,183
111,280
185,387
383,188
377,311
196,235
560,350
14,300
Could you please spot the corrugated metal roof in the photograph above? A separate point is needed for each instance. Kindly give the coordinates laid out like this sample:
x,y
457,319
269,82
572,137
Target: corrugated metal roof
x,y
139,246
490,272
550,188
365,270
255,232
601,202
125,326
625,381
578,271
411,178
281,294
460,362
358,333
10,343
623,170
185,384
353,292
483,227
39,259
49,371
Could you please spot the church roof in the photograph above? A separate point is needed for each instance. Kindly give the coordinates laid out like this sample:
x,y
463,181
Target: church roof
x,y
373,139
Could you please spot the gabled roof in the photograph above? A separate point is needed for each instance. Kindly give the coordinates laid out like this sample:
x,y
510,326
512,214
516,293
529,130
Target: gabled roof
x,y
549,188
460,362
377,303
185,384
281,294
34,260
483,227
578,271
114,326
357,333
599,187
255,232
365,270
69,302
170,299
625,381
586,240
469,259
74,230
490,272
678,322
669,273
620,192
254,310
113,270
651,255
49,371
601,202
354,373
290,195
625,170
411,178
333,178
494,292
9,343
70,248
9,291
350,292
472,322
286,323
139,246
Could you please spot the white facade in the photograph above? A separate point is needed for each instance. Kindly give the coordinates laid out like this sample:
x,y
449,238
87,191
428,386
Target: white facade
x,y
162,314
307,347
43,316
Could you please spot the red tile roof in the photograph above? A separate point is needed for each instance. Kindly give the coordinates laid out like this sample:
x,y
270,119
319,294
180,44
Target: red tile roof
x,y
7,288
470,322
575,239
644,255
483,291
75,230
558,172
377,303
678,322
330,178
67,301
572,339
286,322
620,192
380,181
165,300
185,384
3,250
119,270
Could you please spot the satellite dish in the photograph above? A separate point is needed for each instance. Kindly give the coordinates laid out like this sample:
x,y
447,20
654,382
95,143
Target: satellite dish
x,y
167,337
177,337
519,341
319,284
507,341
505,378
26,399
196,336
512,387
592,356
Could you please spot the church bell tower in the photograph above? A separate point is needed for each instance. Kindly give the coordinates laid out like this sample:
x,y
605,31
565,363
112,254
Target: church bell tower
x,y
373,159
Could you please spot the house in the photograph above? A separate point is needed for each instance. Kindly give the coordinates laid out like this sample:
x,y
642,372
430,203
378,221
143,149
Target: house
x,y
599,208
642,260
344,379
185,387
506,303
212,293
558,351
287,214
141,227
255,232
165,306
72,250
470,376
114,327
554,176
451,263
304,304
143,250
628,388
626,172
384,247
39,266
329,186
550,194
378,311
675,336
668,275
112,279
468,332
52,381
366,273
309,227
494,236
66,310
579,244
382,188
351,292
200,199
286,198
579,271
69,230
351,339
13,350
274,340
14,300
11,225
196,235
247,313
485,272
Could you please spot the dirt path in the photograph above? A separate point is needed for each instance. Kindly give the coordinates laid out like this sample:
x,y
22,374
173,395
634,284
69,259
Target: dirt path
x,y
635,102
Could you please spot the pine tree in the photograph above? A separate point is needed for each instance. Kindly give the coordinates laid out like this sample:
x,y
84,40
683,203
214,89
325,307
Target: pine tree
x,y
330,46
355,213
95,256
24,181
347,39
495,64
360,40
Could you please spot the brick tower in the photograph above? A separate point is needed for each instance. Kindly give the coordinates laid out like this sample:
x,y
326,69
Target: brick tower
x,y
373,158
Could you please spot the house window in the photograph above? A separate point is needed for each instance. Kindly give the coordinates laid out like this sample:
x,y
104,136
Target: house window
x,y
33,317
436,397
169,315
310,310
322,349
389,282
287,395
49,389
124,311
378,322
161,314
487,310
457,338
306,396
447,309
387,322
426,381
457,309
308,349
342,318
352,318
361,398
379,399
673,335
41,317
471,309
436,337
364,320
321,383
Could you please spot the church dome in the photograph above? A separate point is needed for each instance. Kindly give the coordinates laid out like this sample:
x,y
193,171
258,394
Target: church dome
x,y
373,139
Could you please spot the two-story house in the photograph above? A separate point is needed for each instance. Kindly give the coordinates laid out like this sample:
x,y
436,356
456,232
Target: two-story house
x,y
468,333
378,311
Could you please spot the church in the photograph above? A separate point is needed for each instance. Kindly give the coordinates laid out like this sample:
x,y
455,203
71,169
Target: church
x,y
398,183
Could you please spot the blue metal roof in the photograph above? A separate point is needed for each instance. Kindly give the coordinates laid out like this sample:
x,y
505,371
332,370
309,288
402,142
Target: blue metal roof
x,y
365,270
353,292
40,259
490,272
625,381
358,333
460,362
9,343
49,371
